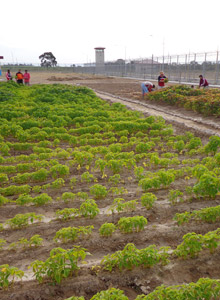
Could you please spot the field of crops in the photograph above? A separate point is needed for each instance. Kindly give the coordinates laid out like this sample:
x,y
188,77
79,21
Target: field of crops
x,y
101,202
203,101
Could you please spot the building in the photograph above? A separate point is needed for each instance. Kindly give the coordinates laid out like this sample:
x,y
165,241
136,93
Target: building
x,y
100,59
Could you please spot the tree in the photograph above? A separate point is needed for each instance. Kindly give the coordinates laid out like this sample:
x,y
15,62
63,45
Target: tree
x,y
48,59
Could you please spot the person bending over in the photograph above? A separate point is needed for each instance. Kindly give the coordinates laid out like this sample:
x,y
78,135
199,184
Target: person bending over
x,y
147,87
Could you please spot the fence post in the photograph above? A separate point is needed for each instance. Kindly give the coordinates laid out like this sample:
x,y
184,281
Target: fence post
x,y
194,67
204,66
185,68
152,65
178,69
217,68
169,65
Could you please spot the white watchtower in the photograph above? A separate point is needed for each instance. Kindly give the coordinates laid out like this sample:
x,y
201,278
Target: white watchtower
x,y
100,59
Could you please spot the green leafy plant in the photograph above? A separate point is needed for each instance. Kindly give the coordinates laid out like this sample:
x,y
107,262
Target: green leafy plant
x,y
2,243
148,199
72,233
115,179
67,214
68,196
208,185
22,220
61,264
42,199
98,191
87,177
3,179
111,294
59,171
107,229
89,208
119,205
58,183
175,196
130,224
8,275
208,214
131,257
213,144
204,288
34,241
3,200
191,246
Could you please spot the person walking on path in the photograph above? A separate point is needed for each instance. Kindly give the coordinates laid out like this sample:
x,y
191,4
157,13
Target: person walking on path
x,y
203,82
27,78
8,75
161,80
146,87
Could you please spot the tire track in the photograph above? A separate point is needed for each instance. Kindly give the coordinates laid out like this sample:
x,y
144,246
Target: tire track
x,y
199,125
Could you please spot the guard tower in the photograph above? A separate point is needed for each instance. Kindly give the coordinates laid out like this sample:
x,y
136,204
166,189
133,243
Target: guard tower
x,y
99,60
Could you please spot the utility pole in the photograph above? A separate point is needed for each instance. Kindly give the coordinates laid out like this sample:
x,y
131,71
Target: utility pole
x,y
163,50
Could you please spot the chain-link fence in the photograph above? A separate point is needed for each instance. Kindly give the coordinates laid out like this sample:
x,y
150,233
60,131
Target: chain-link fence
x,y
184,68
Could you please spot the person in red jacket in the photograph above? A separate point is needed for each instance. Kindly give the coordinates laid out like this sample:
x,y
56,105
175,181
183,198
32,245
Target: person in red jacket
x,y
161,80
8,75
203,82
26,77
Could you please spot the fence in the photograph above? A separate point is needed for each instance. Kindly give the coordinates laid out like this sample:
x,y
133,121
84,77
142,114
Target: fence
x,y
184,68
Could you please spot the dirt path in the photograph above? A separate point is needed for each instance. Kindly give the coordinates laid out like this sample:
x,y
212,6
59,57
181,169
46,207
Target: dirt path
x,y
198,125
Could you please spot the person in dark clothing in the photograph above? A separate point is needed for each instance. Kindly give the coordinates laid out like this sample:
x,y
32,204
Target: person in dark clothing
x,y
203,82
19,77
161,80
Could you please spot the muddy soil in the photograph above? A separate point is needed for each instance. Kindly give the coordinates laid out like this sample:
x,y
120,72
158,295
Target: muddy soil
x,y
161,229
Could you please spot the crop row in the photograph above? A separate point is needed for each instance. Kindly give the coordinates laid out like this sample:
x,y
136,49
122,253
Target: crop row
x,y
202,101
204,288
63,263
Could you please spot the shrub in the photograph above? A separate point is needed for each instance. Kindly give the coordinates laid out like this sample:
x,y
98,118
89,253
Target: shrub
x,y
148,199
98,191
107,229
89,208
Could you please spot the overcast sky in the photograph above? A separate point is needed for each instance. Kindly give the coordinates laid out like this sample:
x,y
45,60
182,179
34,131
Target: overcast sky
x,y
71,29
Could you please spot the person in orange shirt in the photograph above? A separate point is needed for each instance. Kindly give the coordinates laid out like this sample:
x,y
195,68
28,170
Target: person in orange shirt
x,y
19,77
27,78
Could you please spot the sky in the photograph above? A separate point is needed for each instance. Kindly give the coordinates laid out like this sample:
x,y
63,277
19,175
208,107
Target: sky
x,y
128,29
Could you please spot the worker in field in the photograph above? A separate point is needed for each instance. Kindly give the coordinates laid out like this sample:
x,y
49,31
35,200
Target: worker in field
x,y
161,80
26,77
19,77
8,75
203,82
147,87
